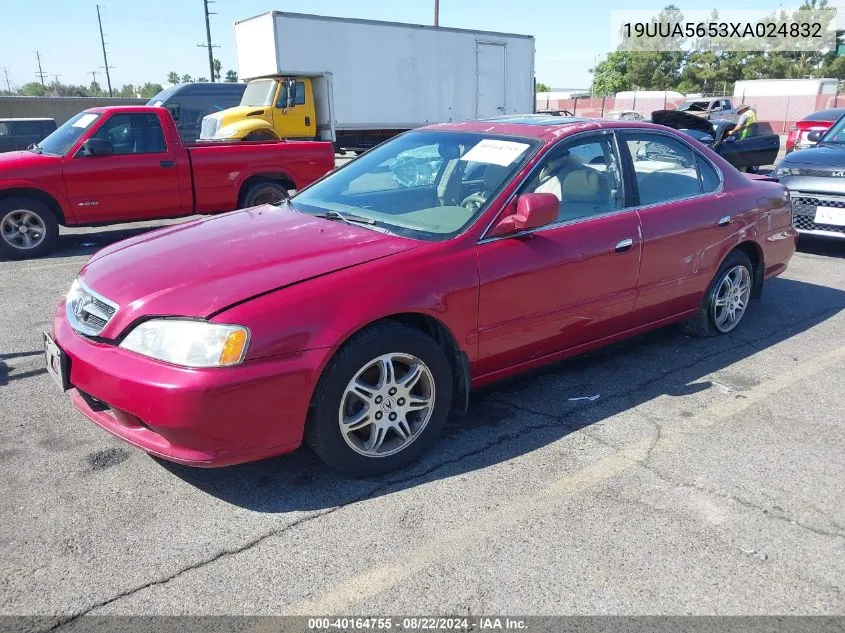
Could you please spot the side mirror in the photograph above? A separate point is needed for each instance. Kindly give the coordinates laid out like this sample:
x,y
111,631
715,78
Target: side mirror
x,y
533,210
291,86
814,136
97,147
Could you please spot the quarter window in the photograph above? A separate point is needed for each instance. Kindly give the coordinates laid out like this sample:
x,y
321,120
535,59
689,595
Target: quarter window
x,y
665,168
585,177
707,175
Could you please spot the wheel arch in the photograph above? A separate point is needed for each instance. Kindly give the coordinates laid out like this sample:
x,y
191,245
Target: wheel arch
x,y
37,194
275,176
755,254
442,335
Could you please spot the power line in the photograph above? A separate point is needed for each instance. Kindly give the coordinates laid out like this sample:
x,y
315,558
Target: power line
x,y
8,83
105,65
40,74
208,43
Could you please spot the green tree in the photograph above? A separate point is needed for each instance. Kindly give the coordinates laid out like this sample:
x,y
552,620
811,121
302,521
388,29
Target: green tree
x,y
611,74
218,67
173,77
201,80
33,89
541,87
187,79
231,76
127,92
149,90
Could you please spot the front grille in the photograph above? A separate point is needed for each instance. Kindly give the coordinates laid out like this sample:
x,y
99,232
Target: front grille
x,y
210,125
804,213
88,312
817,173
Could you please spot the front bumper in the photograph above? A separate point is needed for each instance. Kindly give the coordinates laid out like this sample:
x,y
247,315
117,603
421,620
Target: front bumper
x,y
199,417
804,206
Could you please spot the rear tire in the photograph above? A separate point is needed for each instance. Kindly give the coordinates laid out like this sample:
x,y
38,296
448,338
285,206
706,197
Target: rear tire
x,y
732,287
265,192
28,228
365,420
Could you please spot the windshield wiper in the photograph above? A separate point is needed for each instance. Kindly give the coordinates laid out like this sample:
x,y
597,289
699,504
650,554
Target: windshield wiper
x,y
348,218
35,147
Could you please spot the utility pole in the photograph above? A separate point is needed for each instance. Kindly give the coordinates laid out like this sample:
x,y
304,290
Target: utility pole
x,y
8,83
40,74
93,75
56,78
436,12
208,43
105,57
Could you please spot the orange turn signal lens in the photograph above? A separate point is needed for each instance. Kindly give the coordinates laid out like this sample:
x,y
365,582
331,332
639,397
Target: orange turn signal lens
x,y
234,348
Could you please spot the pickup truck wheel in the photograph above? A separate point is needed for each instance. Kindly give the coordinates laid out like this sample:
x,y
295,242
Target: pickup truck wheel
x,y
381,402
726,300
265,192
27,228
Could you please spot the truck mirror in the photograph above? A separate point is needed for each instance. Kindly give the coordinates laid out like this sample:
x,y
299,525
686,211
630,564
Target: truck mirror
x,y
97,147
291,86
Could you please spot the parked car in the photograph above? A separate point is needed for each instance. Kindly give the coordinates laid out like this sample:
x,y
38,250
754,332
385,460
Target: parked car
x,y
816,179
21,133
127,163
357,315
555,112
710,109
623,115
189,103
759,147
819,121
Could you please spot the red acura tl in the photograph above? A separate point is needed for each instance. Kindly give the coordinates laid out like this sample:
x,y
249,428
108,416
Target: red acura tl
x,y
356,316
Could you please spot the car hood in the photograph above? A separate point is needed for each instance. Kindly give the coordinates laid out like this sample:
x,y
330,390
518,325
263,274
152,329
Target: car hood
x,y
201,267
818,155
24,164
679,120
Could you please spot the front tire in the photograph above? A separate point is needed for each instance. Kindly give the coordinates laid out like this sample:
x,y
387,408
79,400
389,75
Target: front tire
x,y
381,402
28,228
726,300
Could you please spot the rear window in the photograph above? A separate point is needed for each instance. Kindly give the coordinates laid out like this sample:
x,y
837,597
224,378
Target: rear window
x,y
831,114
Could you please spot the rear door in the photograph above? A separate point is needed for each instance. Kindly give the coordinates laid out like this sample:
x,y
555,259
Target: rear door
x,y
138,181
490,78
683,212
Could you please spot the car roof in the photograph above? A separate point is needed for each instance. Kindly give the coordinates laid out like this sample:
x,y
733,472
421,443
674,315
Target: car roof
x,y
8,119
829,114
548,128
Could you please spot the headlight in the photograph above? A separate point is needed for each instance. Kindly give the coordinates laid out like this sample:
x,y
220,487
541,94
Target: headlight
x,y
780,172
189,343
225,133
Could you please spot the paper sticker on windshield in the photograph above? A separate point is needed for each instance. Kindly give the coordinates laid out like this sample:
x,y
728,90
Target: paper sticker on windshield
x,y
495,152
85,120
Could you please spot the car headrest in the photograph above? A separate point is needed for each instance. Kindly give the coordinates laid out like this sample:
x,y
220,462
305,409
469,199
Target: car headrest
x,y
564,162
493,176
582,185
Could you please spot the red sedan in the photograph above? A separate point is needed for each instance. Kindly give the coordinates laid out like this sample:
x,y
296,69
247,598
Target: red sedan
x,y
356,316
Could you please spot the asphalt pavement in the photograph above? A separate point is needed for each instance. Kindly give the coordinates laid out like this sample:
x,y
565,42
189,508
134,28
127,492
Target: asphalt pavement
x,y
701,477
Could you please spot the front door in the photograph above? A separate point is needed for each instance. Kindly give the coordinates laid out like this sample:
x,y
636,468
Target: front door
x,y
568,283
138,181
297,121
490,78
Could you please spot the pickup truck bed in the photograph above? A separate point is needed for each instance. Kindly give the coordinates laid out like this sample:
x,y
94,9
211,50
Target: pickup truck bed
x,y
128,163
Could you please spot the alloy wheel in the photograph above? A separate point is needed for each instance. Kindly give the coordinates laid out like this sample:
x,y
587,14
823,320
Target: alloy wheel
x,y
731,298
22,229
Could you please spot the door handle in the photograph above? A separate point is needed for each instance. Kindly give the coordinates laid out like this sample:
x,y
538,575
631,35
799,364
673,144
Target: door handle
x,y
724,220
624,245
168,163
307,121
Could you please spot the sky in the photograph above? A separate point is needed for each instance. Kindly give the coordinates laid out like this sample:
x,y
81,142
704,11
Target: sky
x,y
146,39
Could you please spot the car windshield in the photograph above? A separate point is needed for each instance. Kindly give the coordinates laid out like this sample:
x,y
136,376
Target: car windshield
x,y
694,106
259,93
836,133
427,185
60,141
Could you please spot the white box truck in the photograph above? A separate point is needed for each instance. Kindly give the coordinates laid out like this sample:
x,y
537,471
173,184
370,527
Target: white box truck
x,y
358,82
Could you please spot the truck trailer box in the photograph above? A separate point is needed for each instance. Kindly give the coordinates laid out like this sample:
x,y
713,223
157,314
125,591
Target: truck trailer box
x,y
369,75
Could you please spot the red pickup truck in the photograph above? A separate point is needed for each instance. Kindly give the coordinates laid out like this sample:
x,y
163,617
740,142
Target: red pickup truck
x,y
127,163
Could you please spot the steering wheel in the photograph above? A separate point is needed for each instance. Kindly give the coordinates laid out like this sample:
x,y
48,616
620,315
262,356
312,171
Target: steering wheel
x,y
474,201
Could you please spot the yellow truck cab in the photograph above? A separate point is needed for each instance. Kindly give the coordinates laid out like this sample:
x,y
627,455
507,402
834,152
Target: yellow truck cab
x,y
271,108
